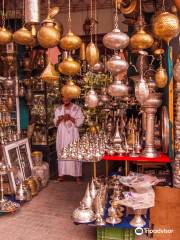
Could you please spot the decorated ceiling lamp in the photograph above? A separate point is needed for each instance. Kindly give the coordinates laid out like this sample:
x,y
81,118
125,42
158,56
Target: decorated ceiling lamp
x,y
98,67
92,52
32,14
166,26
69,66
5,35
116,39
141,39
50,75
118,88
70,41
117,65
161,77
70,90
48,34
91,99
23,36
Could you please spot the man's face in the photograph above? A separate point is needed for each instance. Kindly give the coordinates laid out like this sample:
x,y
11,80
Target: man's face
x,y
66,101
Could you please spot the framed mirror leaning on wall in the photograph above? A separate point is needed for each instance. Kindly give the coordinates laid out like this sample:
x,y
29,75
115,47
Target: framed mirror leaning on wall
x,y
18,156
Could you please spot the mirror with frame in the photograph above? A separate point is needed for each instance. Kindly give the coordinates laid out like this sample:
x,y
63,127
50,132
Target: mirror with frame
x,y
18,156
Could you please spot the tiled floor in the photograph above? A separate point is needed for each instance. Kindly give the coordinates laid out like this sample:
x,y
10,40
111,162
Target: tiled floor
x,y
47,216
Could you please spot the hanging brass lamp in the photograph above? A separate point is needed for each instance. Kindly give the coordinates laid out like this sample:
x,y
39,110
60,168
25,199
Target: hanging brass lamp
x,y
141,39
5,35
161,77
70,41
116,39
92,54
166,26
23,36
48,34
50,75
69,66
70,90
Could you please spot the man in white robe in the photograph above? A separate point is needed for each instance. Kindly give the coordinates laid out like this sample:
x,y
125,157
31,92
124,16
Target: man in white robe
x,y
68,117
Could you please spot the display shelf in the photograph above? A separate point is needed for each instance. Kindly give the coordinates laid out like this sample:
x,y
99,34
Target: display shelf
x,y
162,158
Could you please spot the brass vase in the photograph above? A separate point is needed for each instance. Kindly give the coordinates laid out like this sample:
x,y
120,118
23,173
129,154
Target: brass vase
x,y
23,36
92,54
5,36
166,26
49,75
141,40
69,66
70,90
31,183
161,77
48,35
70,42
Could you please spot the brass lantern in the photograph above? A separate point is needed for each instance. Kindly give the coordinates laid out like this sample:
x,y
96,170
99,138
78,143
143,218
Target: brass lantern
x,y
69,66
166,26
141,40
70,90
49,74
92,54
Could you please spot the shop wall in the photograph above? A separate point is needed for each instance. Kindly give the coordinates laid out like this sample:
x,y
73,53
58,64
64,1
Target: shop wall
x,y
104,17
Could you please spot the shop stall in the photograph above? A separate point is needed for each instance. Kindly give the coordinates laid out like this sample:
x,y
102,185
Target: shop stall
x,y
127,85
